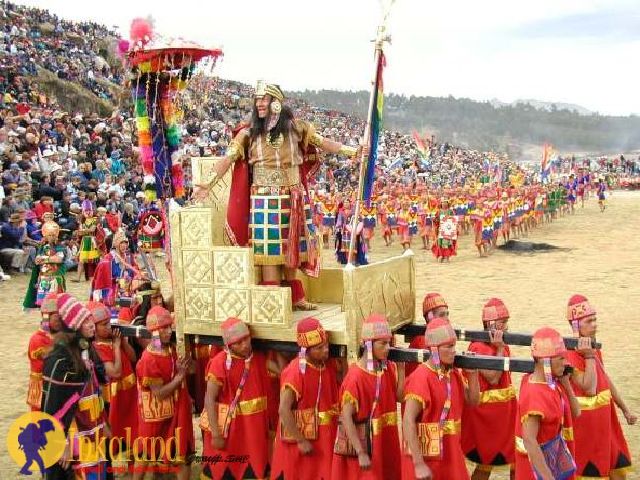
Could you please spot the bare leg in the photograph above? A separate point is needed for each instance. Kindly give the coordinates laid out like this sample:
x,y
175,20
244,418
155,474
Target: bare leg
x,y
480,474
80,271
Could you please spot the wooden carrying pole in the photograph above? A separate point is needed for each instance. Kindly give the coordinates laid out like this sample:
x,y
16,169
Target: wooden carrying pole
x,y
521,339
482,362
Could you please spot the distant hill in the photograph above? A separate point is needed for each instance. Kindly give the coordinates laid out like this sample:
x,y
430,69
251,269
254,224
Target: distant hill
x,y
483,125
541,105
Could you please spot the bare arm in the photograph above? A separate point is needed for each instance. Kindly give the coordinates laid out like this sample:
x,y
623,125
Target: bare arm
x,y
287,399
412,410
530,429
573,401
348,410
210,399
617,398
400,384
587,380
472,391
163,391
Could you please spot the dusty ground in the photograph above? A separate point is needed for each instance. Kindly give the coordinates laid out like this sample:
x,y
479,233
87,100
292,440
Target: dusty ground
x,y
601,261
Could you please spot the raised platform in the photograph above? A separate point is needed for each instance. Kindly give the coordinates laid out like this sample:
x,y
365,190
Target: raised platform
x,y
213,281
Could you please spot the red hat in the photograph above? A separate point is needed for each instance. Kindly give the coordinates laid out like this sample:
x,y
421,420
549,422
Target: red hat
x,y
493,310
376,327
310,333
73,313
439,332
579,308
432,301
99,311
234,330
49,304
158,318
547,343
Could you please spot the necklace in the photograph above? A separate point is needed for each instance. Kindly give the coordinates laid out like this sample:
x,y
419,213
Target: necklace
x,y
275,143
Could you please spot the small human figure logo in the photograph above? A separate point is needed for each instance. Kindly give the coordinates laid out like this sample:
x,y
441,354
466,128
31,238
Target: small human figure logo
x,y
35,442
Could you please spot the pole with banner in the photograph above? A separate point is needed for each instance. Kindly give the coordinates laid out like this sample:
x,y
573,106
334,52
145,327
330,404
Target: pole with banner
x,y
371,134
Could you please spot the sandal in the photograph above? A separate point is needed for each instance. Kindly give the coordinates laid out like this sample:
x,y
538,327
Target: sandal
x,y
303,305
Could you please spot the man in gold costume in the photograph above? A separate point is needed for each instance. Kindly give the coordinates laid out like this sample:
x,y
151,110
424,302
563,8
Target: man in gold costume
x,y
273,158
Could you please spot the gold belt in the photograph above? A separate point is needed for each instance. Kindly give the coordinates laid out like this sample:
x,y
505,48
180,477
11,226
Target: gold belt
x,y
276,177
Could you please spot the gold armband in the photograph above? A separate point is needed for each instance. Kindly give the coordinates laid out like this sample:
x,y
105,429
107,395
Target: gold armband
x,y
235,151
347,151
316,140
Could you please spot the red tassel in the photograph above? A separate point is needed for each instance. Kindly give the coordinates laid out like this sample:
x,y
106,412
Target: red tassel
x,y
297,290
296,223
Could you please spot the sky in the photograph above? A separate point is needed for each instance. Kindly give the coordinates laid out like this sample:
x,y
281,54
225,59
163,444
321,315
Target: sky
x,y
583,52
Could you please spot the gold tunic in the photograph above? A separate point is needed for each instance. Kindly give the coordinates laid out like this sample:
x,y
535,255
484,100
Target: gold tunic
x,y
263,153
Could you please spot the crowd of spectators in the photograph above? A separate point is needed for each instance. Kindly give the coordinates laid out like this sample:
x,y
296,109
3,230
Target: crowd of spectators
x,y
53,160
32,38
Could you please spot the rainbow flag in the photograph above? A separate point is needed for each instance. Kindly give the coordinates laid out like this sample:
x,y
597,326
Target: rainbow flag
x,y
421,147
374,133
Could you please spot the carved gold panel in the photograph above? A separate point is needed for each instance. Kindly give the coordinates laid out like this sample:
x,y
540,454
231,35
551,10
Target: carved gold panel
x,y
218,197
271,306
232,266
195,228
197,267
199,303
232,302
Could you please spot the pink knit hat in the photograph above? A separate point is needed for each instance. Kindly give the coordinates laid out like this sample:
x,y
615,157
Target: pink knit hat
x,y
72,312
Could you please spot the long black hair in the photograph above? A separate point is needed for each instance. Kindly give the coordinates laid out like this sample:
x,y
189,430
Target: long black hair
x,y
259,125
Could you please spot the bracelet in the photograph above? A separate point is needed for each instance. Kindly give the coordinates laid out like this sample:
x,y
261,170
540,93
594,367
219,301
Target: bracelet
x,y
347,151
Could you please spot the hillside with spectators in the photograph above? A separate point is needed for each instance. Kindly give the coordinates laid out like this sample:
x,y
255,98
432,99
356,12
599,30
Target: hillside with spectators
x,y
52,159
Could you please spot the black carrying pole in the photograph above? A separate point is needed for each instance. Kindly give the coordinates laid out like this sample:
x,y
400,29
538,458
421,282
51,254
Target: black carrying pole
x,y
522,339
462,360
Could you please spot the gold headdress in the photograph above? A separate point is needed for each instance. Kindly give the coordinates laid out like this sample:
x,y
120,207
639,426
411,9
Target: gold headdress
x,y
263,88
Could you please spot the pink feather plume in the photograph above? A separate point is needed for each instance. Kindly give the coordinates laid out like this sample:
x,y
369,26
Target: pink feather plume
x,y
123,47
141,30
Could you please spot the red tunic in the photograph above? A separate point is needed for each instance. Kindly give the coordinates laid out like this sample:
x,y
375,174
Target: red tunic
x,y
163,418
424,386
248,430
537,398
496,413
40,344
358,387
598,416
197,382
121,393
288,462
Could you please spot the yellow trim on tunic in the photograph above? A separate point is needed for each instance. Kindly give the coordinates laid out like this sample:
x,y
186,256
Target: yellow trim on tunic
x,y
532,413
151,381
123,384
249,407
452,427
292,388
326,417
389,419
602,399
347,397
498,395
567,433
417,398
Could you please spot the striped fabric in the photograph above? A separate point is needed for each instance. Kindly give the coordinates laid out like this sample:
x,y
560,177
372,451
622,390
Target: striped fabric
x,y
72,312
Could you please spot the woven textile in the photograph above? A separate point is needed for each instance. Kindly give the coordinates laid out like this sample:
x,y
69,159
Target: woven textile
x,y
269,225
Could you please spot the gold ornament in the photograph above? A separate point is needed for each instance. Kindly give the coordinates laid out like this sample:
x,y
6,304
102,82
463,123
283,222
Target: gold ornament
x,y
277,143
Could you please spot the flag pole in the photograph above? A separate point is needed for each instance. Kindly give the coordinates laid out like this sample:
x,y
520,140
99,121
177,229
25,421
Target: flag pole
x,y
379,42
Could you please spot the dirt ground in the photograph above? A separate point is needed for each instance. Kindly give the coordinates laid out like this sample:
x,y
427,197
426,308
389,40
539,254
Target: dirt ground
x,y
600,258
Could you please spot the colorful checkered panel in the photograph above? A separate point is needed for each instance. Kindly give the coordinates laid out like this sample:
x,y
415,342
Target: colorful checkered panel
x,y
270,214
